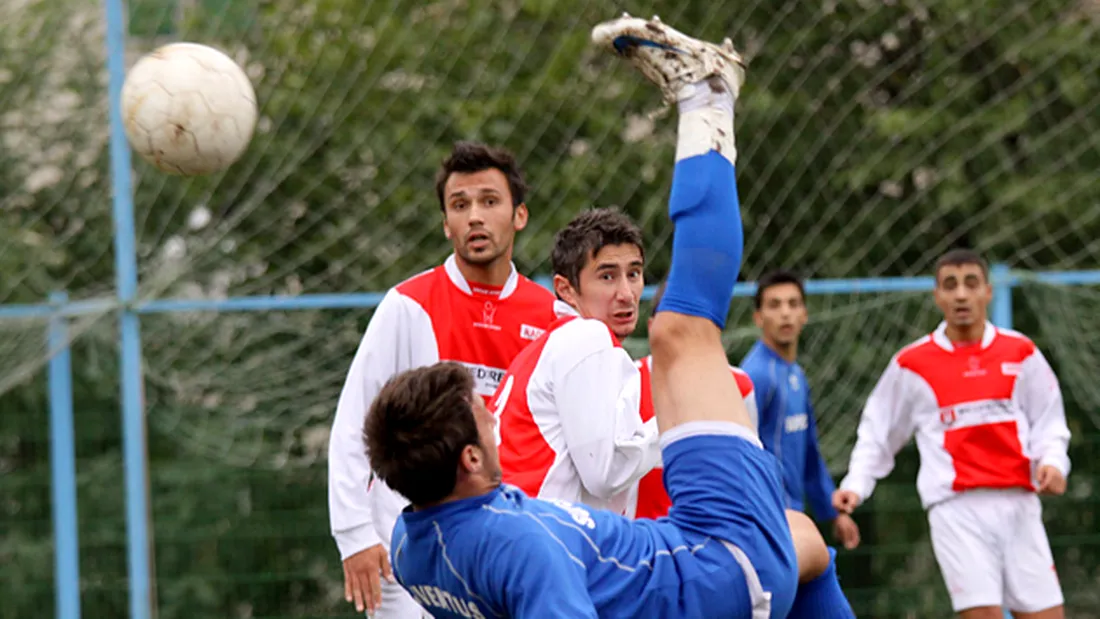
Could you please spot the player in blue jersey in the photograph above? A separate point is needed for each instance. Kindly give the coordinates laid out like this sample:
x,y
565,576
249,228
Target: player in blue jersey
x,y
788,427
470,547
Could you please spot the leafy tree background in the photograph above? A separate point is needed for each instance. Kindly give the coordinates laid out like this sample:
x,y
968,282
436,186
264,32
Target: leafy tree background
x,y
872,136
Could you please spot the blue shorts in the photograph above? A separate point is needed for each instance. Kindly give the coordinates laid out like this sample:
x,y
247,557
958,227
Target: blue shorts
x,y
727,488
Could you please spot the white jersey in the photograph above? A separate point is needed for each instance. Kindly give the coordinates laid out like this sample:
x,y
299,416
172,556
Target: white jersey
x,y
436,315
985,416
567,418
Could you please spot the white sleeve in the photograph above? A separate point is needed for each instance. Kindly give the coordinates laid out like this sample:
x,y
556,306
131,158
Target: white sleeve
x,y
610,446
754,413
399,337
885,427
1040,397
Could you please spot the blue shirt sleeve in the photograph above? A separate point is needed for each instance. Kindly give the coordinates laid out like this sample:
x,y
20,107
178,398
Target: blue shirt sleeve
x,y
539,578
819,485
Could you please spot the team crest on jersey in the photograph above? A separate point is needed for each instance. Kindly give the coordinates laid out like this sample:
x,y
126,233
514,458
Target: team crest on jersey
x,y
948,416
528,332
792,378
488,315
974,368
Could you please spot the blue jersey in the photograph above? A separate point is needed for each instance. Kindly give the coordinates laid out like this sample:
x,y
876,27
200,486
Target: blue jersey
x,y
506,555
788,429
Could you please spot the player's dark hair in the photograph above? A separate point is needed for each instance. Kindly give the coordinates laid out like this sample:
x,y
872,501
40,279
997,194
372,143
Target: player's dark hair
x,y
417,428
470,157
588,233
776,278
959,257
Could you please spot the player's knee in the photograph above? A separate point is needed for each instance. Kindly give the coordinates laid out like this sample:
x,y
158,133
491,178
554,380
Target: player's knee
x,y
809,546
673,335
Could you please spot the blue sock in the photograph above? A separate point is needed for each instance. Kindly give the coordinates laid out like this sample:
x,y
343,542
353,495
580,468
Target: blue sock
x,y
707,240
821,598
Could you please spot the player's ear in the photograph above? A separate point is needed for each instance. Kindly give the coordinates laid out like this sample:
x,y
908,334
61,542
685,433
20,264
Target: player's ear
x,y
756,318
565,290
519,217
471,459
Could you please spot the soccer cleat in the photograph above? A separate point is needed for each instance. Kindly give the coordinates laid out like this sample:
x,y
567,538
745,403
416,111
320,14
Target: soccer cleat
x,y
670,58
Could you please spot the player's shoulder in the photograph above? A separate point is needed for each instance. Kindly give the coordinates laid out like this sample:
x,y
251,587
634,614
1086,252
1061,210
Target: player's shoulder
x,y
587,333
528,290
915,351
419,287
1015,340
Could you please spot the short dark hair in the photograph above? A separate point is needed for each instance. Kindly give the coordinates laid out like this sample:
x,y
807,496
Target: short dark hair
x,y
586,235
470,157
957,258
417,428
775,278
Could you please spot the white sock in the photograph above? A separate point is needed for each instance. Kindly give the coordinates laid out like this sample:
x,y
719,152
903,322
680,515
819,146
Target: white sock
x,y
706,121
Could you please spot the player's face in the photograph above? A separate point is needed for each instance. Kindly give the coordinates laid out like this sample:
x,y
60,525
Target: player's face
x,y
782,314
962,294
486,427
479,218
610,288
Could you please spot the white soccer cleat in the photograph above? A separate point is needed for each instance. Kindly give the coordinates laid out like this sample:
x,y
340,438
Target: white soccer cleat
x,y
670,58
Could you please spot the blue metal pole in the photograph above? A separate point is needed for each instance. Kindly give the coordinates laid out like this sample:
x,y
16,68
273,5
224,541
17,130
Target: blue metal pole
x,y
63,465
1001,313
133,420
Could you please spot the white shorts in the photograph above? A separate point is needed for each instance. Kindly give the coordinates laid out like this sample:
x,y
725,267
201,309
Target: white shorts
x,y
993,551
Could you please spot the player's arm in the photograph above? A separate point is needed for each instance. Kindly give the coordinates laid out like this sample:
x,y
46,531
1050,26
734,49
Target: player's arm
x,y
610,446
884,428
816,479
393,342
1040,397
537,577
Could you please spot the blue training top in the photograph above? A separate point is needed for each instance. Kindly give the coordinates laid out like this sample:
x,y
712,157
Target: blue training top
x,y
535,558
788,429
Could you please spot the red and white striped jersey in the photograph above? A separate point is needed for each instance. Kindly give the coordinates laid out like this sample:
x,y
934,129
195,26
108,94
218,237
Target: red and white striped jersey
x,y
985,415
433,316
567,417
653,500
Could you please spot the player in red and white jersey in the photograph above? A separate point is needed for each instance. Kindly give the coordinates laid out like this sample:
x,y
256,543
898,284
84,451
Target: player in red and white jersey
x,y
652,497
474,309
987,412
567,411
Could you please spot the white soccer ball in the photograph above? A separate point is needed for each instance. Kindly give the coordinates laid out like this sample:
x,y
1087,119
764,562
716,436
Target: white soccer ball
x,y
188,109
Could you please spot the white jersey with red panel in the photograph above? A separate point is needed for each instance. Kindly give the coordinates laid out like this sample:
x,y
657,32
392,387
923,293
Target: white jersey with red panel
x,y
435,315
567,417
652,499
986,416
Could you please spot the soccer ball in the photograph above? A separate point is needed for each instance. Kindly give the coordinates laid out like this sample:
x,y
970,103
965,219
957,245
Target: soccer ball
x,y
188,109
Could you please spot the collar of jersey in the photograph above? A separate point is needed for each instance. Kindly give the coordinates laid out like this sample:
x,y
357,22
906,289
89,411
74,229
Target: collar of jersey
x,y
456,277
767,350
450,508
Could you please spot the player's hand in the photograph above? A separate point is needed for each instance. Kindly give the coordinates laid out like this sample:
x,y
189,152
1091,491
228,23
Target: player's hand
x,y
844,501
847,531
362,584
1051,481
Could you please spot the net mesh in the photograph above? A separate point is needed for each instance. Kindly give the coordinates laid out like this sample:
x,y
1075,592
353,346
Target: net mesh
x,y
872,137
